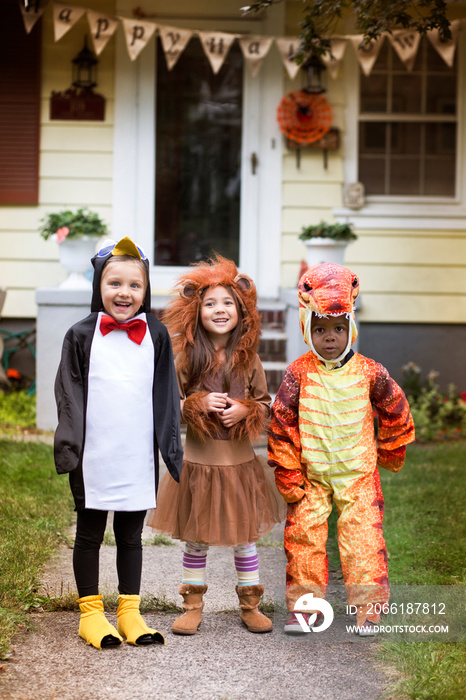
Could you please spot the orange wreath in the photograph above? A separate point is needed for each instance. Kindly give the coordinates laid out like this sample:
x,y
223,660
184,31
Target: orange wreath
x,y
304,117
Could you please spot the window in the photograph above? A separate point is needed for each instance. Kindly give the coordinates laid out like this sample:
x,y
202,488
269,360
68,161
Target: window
x,y
19,108
408,125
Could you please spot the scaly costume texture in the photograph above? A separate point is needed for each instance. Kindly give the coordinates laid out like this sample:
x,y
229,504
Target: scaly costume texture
x,y
323,448
224,497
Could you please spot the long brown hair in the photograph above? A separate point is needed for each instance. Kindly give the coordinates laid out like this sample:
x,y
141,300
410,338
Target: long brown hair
x,y
202,356
194,352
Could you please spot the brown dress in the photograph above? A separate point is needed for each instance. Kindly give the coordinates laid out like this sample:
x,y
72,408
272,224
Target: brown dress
x,y
224,496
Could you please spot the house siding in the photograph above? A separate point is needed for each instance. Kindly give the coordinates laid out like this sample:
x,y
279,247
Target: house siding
x,y
410,273
76,164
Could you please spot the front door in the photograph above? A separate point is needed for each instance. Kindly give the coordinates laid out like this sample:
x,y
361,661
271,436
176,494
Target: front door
x,y
198,155
199,127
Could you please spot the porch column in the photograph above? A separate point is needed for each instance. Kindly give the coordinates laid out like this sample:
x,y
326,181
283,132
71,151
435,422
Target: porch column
x,y
58,309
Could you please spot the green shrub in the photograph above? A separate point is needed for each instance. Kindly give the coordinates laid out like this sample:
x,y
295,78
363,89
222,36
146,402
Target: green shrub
x,y
435,414
17,409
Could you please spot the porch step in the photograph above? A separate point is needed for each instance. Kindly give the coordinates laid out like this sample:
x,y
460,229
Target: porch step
x,y
272,346
274,372
273,341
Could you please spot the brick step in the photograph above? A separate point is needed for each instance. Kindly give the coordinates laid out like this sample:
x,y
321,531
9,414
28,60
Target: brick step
x,y
272,348
274,371
273,334
273,315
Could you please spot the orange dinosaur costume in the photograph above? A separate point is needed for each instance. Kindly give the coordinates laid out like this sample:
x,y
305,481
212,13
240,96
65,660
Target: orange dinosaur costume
x,y
323,448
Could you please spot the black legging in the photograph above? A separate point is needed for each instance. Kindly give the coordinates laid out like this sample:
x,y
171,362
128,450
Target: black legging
x,y
127,527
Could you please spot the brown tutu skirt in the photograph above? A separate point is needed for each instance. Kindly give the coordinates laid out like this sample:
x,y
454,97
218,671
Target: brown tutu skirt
x,y
218,505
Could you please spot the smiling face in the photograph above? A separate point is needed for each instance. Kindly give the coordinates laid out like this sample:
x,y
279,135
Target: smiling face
x,y
330,335
123,287
219,315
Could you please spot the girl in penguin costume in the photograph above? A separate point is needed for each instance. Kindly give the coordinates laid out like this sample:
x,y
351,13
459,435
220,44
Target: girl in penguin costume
x,y
118,404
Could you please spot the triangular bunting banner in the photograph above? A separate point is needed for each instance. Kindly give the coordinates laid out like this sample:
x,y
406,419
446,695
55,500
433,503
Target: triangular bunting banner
x,y
102,28
446,49
287,46
174,42
31,14
367,55
64,17
333,59
255,49
137,35
216,46
406,45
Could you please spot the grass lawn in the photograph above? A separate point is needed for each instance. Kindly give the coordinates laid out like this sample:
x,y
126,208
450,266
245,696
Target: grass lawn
x,y
424,528
425,531
35,508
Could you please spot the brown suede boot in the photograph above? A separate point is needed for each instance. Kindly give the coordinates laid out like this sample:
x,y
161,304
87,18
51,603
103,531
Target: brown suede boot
x,y
193,606
249,599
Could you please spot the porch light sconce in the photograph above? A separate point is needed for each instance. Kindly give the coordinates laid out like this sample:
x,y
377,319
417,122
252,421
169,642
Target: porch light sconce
x,y
80,102
85,69
31,5
314,69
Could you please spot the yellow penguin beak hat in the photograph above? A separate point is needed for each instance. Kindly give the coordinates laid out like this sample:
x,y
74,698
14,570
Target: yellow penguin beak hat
x,y
125,246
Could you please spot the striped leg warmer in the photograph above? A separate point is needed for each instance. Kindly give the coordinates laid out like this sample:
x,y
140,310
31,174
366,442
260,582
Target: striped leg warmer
x,y
194,563
247,564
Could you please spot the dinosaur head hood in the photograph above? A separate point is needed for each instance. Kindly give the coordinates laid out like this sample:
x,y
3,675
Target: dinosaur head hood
x,y
124,247
327,290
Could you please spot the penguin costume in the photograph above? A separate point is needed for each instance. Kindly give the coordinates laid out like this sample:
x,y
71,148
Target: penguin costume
x,y
118,405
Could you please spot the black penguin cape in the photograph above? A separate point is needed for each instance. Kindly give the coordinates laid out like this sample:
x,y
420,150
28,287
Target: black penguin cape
x,y
71,388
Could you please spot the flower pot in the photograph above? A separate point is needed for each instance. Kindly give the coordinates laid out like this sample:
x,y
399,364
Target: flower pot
x,y
324,250
75,257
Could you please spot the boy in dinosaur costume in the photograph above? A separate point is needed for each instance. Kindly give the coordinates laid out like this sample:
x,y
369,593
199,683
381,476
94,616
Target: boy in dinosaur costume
x,y
323,448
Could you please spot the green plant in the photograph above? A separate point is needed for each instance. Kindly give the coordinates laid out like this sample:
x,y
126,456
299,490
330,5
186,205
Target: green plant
x,y
336,232
17,409
72,224
35,509
436,414
159,541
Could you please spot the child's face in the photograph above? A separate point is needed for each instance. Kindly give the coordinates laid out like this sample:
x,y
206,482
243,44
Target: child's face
x,y
122,287
330,335
219,315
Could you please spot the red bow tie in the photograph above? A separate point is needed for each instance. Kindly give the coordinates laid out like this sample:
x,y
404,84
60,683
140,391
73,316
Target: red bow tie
x,y
136,328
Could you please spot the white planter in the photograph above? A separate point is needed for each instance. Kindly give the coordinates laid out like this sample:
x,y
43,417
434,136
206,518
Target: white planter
x,y
325,250
75,257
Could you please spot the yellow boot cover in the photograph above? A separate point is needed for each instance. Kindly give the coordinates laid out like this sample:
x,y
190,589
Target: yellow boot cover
x,y
94,627
132,626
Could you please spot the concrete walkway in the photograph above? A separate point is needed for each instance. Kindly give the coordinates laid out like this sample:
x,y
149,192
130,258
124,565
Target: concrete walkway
x,y
223,661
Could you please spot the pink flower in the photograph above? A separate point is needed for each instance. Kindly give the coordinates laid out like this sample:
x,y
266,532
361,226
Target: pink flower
x,y
62,233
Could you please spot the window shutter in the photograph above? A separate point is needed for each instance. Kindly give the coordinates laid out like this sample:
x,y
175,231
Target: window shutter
x,y
19,108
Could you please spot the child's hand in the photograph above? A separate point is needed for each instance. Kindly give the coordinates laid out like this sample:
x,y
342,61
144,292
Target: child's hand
x,y
233,414
215,402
